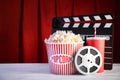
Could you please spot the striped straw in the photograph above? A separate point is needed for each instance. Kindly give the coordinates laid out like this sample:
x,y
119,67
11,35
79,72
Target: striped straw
x,y
94,31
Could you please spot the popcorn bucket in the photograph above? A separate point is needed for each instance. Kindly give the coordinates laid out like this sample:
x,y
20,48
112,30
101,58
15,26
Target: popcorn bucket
x,y
60,57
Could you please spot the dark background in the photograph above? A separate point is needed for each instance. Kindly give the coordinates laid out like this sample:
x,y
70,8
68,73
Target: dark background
x,y
24,24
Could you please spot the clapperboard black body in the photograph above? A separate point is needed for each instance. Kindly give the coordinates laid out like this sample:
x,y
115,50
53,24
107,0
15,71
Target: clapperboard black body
x,y
84,25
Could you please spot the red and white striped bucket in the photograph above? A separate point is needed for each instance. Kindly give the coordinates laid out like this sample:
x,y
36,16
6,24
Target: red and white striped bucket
x,y
60,57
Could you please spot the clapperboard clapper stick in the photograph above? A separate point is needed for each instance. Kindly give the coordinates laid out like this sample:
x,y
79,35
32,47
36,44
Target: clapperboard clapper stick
x,y
84,25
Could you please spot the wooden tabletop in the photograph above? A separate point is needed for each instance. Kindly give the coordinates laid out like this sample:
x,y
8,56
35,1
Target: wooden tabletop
x,y
38,71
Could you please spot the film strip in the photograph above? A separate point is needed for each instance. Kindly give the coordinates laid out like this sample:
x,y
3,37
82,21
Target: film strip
x,y
85,25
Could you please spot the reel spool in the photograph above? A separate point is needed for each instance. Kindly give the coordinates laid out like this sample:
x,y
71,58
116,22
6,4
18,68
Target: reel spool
x,y
88,60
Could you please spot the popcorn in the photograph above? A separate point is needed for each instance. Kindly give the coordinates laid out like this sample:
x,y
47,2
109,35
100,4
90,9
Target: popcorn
x,y
61,48
63,36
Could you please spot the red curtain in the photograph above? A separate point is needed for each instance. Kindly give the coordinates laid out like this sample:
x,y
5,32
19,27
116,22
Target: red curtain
x,y
24,24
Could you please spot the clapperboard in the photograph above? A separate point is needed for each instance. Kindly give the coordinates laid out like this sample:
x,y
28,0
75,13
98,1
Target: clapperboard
x,y
84,25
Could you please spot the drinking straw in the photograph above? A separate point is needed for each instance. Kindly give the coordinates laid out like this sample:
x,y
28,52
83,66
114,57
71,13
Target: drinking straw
x,y
94,31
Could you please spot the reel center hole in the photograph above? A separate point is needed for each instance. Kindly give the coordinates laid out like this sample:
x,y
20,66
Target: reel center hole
x,y
89,61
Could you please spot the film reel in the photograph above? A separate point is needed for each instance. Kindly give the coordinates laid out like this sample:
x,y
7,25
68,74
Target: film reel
x,y
88,60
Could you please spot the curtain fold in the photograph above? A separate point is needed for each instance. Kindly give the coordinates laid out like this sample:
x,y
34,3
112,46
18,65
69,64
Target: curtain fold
x,y
24,24
83,7
9,30
116,54
30,34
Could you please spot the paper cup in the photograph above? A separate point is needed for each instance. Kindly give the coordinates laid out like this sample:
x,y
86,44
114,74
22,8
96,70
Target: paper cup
x,y
99,43
60,57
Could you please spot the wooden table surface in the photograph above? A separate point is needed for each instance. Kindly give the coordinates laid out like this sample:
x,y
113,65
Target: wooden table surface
x,y
38,71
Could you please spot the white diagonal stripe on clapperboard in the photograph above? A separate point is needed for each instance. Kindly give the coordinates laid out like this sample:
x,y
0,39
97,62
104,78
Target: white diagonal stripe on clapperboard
x,y
97,25
86,25
97,17
76,19
107,25
66,19
86,18
108,17
76,25
66,25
